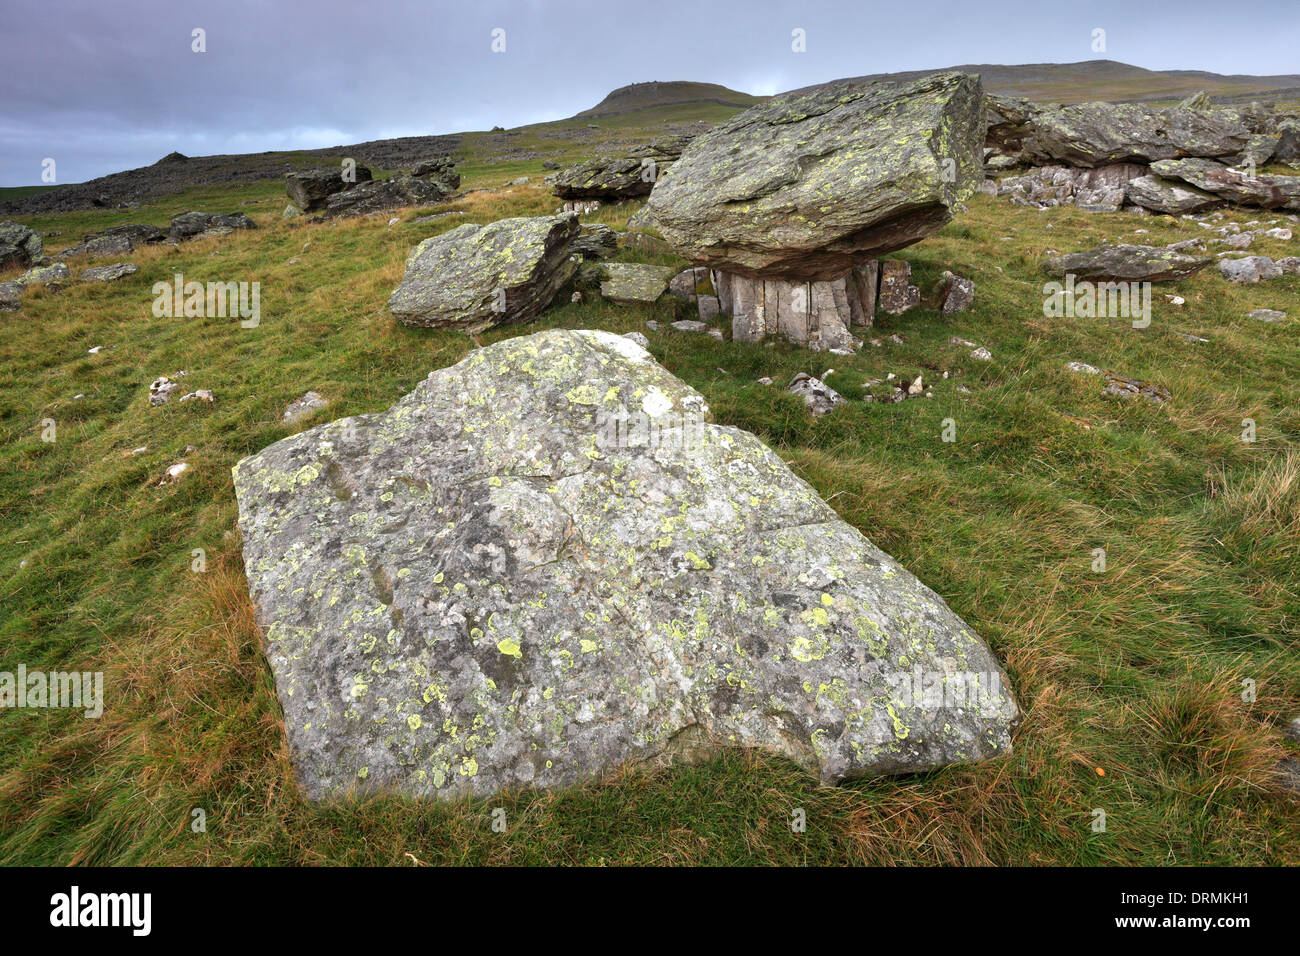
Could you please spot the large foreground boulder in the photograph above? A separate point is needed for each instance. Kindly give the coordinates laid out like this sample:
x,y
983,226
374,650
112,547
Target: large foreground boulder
x,y
475,277
808,185
19,246
543,563
311,188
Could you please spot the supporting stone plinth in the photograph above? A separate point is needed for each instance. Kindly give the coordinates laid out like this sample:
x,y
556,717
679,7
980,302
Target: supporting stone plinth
x,y
817,315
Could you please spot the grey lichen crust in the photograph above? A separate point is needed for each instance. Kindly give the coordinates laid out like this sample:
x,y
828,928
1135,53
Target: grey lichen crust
x,y
479,588
475,277
808,185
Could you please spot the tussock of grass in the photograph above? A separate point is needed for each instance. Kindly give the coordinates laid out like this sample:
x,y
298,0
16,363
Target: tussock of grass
x,y
1135,672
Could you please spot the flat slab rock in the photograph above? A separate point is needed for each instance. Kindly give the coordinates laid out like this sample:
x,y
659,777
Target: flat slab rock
x,y
809,184
1118,262
633,283
492,584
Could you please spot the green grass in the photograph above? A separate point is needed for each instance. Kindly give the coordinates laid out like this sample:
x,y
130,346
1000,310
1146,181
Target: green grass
x,y
1129,680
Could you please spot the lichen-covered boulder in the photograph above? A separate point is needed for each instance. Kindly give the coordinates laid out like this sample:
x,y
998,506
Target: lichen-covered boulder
x,y
475,277
193,225
633,283
1234,185
606,177
309,189
809,184
118,270
543,563
376,196
618,177
19,245
1097,134
1165,195
1119,262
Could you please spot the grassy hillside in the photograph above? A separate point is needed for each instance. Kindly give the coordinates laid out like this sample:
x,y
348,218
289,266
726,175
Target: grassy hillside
x,y
1104,80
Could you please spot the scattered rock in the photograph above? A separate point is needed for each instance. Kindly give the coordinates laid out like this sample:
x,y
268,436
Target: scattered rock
x,y
982,355
310,189
956,294
45,275
606,177
1249,269
897,294
304,407
202,395
1125,263
596,241
1126,388
816,394
1267,315
631,283
160,390
1082,368
115,245
19,245
691,325
111,273
194,225
11,296
476,277
378,196
174,473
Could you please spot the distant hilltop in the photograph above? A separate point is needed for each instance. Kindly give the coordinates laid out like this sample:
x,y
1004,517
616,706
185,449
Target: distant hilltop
x,y
643,96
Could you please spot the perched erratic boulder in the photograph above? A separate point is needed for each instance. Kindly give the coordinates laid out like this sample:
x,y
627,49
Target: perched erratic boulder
x,y
310,189
606,177
375,196
1124,263
543,563
810,184
19,246
192,225
475,277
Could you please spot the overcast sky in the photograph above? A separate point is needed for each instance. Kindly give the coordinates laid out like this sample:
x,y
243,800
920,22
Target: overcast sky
x,y
105,85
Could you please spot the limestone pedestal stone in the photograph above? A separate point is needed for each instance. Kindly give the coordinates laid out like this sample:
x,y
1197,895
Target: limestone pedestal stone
x,y
816,314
